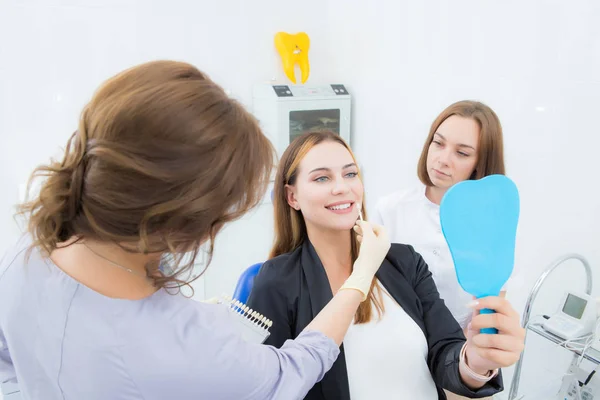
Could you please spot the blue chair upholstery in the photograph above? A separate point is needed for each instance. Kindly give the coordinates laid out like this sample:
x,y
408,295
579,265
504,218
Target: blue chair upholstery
x,y
245,282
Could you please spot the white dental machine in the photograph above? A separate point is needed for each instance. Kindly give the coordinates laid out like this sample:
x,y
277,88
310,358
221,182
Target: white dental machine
x,y
575,318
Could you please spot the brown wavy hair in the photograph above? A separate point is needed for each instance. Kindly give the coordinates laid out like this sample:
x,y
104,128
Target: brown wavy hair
x,y
161,160
490,157
290,227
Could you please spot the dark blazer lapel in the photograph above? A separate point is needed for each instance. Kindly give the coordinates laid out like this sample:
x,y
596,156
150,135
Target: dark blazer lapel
x,y
335,382
319,289
396,283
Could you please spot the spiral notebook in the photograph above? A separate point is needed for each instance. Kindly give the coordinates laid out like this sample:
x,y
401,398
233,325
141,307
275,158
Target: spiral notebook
x,y
252,326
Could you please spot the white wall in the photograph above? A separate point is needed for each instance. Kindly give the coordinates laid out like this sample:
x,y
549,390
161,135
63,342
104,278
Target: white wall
x,y
537,63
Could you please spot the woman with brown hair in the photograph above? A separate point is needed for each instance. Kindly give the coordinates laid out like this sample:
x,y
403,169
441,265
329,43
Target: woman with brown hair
x,y
464,142
161,160
404,342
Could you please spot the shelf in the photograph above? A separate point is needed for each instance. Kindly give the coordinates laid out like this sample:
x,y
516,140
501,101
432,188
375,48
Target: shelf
x,y
535,325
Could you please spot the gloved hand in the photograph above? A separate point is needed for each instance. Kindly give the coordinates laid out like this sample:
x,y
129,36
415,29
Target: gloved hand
x,y
374,246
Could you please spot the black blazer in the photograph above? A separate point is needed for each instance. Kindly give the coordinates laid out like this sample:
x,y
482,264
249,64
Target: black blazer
x,y
292,288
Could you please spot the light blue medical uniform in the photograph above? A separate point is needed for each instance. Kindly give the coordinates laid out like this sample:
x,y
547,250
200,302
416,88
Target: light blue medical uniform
x,y
61,340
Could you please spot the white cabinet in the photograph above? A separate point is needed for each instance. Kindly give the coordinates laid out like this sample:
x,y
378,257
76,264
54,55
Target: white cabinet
x,y
286,111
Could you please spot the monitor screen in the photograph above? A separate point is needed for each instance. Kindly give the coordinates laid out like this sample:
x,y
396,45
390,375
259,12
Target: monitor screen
x,y
574,306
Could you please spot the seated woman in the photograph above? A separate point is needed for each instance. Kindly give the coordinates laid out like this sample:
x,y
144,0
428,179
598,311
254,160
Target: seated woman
x,y
404,342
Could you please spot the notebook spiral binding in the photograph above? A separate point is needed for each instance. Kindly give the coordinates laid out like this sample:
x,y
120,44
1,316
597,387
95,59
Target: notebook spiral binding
x,y
253,326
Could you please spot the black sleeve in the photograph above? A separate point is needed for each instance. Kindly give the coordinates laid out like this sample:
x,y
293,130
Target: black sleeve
x,y
268,298
445,337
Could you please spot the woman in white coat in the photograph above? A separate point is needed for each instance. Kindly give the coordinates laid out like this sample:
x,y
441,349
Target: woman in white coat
x,y
464,142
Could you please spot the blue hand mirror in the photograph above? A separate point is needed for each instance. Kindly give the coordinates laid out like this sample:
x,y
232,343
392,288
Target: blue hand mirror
x,y
479,220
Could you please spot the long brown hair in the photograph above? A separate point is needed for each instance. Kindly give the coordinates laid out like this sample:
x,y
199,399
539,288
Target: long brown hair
x,y
161,160
290,227
490,157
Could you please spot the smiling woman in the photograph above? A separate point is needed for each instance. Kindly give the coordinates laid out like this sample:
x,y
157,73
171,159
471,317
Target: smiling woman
x,y
404,340
317,192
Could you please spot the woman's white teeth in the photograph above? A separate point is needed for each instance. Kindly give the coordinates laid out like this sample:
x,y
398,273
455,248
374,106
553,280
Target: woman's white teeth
x,y
340,207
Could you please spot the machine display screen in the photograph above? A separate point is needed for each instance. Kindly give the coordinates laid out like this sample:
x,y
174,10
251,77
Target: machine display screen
x,y
574,306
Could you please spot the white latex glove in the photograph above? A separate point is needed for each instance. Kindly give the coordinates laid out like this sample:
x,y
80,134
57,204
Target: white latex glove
x,y
374,246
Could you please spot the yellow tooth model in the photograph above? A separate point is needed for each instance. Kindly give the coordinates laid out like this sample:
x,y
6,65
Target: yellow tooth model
x,y
293,49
